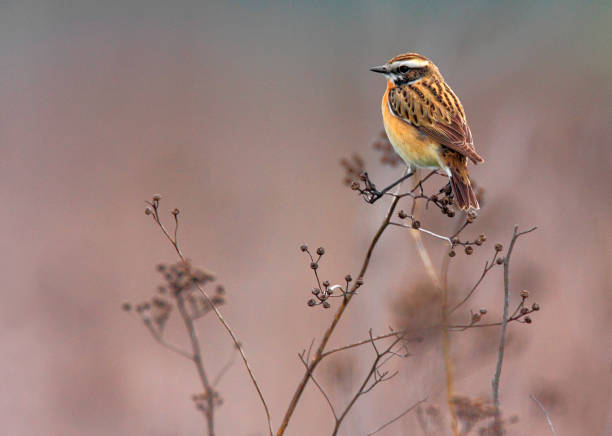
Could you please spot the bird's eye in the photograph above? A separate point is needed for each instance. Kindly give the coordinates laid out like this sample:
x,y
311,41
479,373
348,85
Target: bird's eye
x,y
403,69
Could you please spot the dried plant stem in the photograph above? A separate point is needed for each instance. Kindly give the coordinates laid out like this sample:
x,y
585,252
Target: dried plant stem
x,y
401,415
160,340
225,368
174,242
442,286
488,266
373,372
314,380
424,255
327,335
502,339
446,350
375,338
197,360
242,354
541,406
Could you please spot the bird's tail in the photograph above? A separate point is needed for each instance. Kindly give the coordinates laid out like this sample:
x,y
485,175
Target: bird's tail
x,y
460,182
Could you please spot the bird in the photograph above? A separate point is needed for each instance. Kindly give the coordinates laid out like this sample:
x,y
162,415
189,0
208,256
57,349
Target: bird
x,y
426,123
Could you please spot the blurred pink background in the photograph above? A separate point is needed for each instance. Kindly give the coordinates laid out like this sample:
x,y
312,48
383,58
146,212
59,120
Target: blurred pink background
x,y
238,114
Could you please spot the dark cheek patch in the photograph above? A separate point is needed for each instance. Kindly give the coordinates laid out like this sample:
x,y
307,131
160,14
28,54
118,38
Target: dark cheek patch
x,y
415,73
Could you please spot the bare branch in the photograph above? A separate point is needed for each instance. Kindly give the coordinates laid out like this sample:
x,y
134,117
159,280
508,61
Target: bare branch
x,y
541,406
502,340
420,229
372,373
197,360
488,266
331,406
398,417
367,341
226,367
158,337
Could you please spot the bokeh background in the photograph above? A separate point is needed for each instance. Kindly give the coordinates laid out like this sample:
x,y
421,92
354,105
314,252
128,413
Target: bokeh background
x,y
238,113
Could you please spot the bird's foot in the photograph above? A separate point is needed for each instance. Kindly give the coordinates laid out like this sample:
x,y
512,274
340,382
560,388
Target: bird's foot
x,y
369,193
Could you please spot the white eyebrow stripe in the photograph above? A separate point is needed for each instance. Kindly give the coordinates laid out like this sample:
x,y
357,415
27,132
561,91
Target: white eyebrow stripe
x,y
415,63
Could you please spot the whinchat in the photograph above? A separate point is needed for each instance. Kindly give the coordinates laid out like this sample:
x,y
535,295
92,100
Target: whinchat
x,y
426,123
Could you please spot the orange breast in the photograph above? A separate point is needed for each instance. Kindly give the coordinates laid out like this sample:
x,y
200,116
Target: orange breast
x,y
410,144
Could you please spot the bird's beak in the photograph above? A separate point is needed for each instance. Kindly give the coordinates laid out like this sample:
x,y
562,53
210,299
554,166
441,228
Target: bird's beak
x,y
382,69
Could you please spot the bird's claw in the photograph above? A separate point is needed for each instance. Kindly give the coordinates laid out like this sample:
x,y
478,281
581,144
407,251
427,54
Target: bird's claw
x,y
370,193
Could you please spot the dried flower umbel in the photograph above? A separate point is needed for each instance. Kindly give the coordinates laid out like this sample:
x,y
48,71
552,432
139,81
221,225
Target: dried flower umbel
x,y
180,291
324,290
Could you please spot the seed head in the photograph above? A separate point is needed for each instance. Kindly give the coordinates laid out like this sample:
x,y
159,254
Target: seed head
x,y
535,306
348,278
416,224
303,247
483,311
311,302
320,251
499,247
126,306
314,265
524,293
156,197
499,260
326,304
469,250
452,253
148,211
402,214
528,320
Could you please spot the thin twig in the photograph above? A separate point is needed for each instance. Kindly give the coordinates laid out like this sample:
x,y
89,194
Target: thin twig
x,y
367,341
502,339
165,344
373,372
197,360
488,266
226,367
420,229
446,350
238,345
174,242
331,406
401,415
541,406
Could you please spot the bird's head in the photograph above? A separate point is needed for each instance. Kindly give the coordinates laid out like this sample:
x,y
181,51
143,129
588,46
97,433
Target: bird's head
x,y
407,68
